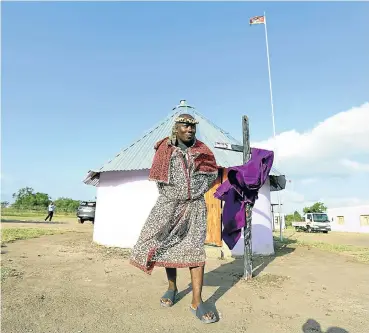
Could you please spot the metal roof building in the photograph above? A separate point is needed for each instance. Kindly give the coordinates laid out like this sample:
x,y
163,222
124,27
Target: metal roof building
x,y
139,154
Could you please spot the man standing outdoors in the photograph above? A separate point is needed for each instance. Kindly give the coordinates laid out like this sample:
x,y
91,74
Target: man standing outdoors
x,y
174,234
50,209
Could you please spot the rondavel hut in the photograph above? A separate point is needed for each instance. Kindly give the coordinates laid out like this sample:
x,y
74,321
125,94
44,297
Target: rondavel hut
x,y
125,196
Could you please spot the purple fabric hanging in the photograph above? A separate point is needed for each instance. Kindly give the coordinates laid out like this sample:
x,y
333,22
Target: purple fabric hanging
x,y
242,187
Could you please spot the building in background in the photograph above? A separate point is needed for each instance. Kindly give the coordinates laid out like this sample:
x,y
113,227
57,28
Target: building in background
x,y
349,219
277,218
125,196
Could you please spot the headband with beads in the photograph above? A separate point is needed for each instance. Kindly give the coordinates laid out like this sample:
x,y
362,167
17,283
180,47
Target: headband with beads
x,y
186,120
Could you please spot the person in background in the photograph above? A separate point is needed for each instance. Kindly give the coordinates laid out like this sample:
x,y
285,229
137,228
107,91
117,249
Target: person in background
x,y
50,209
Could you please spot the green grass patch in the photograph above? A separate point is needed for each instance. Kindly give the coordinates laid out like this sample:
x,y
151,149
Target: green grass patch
x,y
39,218
360,254
13,234
24,217
33,213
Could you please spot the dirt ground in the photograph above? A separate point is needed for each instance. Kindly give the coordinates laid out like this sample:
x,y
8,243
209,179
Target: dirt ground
x,y
65,283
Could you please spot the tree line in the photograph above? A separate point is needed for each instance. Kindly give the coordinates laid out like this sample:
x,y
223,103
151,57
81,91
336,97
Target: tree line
x,y
27,199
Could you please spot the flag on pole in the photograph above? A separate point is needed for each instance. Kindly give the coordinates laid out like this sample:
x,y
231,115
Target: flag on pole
x,y
257,20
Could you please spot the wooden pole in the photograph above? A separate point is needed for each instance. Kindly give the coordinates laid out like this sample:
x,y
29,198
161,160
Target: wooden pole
x,y
247,275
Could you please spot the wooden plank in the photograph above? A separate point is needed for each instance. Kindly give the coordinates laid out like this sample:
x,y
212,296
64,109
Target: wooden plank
x,y
248,211
228,146
214,223
224,178
225,175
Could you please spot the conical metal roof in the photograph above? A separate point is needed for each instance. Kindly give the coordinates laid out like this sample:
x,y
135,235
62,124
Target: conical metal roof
x,y
139,155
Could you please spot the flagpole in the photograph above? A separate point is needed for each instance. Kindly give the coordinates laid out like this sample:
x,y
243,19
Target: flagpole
x,y
270,76
273,121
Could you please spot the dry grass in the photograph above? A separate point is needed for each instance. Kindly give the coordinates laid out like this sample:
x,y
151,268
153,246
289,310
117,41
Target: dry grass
x,y
38,217
360,254
13,234
10,272
11,212
271,280
112,252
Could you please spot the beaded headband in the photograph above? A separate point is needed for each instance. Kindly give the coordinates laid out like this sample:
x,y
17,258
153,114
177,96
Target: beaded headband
x,y
186,120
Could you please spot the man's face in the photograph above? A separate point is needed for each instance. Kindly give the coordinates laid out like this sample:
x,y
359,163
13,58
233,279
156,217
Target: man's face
x,y
186,132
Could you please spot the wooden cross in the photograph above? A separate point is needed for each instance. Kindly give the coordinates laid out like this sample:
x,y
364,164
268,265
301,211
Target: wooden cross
x,y
245,149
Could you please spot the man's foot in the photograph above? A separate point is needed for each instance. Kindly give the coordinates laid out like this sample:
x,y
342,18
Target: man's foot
x,y
201,311
169,298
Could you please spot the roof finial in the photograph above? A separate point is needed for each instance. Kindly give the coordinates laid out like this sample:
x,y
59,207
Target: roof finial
x,y
183,104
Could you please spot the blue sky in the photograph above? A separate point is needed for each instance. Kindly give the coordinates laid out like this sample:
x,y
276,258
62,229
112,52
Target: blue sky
x,y
82,80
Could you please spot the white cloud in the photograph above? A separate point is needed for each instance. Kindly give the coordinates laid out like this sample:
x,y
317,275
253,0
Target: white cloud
x,y
322,149
325,163
355,166
334,202
307,181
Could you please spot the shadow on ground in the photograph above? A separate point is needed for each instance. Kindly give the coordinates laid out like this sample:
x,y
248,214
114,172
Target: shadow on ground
x,y
281,248
312,326
29,222
230,273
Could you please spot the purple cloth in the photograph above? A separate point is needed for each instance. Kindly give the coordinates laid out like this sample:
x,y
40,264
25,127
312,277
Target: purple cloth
x,y
242,188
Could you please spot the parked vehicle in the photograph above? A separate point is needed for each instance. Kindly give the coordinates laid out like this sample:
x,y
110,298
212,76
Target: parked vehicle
x,y
313,222
86,211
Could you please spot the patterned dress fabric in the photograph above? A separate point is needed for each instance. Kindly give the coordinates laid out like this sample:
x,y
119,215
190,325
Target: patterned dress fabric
x,y
175,231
